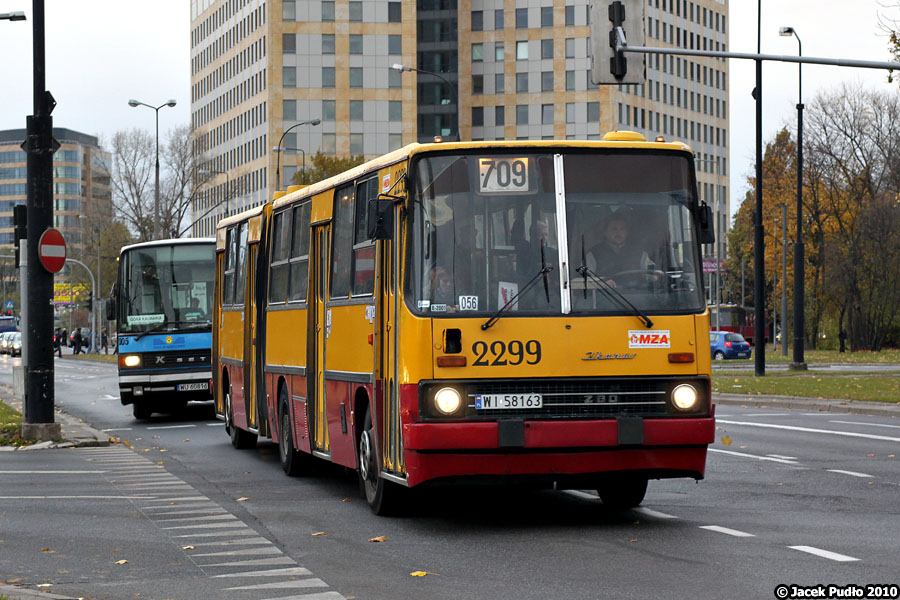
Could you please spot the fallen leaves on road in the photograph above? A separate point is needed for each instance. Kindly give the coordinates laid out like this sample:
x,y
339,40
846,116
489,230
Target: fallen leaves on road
x,y
726,440
188,548
419,573
122,562
187,439
320,533
346,500
380,538
48,551
242,499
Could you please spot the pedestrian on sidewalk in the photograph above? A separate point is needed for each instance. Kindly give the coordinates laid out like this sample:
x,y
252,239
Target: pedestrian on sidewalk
x,y
57,341
104,340
76,341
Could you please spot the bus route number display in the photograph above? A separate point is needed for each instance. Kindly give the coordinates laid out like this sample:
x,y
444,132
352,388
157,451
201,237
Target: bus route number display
x,y
503,175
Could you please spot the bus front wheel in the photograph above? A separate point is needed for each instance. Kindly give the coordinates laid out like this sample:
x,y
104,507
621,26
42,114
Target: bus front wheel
x,y
384,497
621,493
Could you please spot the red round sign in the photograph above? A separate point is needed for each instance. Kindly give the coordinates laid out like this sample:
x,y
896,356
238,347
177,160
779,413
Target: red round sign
x,y
52,250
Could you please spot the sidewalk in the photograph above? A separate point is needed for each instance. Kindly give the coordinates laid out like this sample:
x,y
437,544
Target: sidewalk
x,y
856,407
75,433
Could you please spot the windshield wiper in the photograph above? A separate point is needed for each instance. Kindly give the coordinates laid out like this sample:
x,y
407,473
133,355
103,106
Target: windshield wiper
x,y
156,328
613,294
545,268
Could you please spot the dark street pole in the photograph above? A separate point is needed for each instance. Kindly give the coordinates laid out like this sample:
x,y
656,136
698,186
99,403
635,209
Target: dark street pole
x,y
799,362
37,421
759,289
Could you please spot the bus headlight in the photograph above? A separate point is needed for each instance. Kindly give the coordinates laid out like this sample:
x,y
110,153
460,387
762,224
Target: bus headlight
x,y
130,360
447,401
684,397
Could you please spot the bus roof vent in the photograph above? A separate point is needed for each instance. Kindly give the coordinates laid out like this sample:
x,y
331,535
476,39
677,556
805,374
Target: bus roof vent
x,y
624,136
279,194
295,188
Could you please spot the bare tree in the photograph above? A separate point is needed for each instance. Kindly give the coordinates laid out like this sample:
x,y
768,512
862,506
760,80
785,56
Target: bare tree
x,y
176,190
131,179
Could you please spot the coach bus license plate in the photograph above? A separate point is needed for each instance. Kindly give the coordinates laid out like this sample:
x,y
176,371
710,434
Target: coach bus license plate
x,y
192,387
507,401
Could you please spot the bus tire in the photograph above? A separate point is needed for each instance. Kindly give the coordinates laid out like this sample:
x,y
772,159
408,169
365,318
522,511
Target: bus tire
x,y
141,411
293,462
240,439
620,493
383,497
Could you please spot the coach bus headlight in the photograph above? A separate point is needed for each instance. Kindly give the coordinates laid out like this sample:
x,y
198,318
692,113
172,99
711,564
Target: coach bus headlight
x,y
684,397
447,401
130,360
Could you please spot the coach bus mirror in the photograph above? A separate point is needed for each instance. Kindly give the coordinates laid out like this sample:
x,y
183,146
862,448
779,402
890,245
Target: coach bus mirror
x,y
111,306
380,219
707,231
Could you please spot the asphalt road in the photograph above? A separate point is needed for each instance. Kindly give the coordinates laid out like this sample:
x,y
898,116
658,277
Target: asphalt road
x,y
789,498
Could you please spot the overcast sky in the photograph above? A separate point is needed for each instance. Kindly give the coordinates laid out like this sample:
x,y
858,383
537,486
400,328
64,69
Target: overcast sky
x,y
101,53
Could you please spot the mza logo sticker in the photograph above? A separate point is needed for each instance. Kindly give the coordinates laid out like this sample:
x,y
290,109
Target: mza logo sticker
x,y
648,339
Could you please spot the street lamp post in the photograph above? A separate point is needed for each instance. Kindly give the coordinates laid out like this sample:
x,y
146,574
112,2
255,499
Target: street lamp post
x,y
799,362
227,187
401,68
12,16
278,149
136,103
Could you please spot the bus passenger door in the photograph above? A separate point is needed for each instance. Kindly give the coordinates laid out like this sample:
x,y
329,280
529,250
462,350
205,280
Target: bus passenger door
x,y
388,416
250,339
318,333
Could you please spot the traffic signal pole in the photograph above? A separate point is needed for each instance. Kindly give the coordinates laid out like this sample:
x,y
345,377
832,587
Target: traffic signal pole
x,y
38,419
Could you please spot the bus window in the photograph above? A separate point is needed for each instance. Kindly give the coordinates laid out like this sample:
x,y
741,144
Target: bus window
x,y
363,248
342,242
241,269
230,260
278,275
300,254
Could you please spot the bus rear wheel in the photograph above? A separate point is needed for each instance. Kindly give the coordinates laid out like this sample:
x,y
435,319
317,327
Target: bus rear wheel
x,y
140,410
240,439
620,493
384,497
293,462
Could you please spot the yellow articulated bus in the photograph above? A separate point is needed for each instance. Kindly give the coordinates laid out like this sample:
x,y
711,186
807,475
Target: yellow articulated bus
x,y
527,311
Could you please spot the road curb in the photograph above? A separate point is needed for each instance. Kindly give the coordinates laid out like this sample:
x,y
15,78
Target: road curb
x,y
856,407
75,433
14,592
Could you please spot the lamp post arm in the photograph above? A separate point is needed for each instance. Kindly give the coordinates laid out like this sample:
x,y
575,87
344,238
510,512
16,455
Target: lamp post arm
x,y
200,218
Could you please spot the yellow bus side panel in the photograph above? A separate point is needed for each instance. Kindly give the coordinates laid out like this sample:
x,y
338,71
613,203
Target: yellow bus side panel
x,y
322,207
231,336
286,337
347,347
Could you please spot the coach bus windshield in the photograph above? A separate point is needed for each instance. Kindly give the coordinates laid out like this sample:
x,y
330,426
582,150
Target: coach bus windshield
x,y
167,288
486,227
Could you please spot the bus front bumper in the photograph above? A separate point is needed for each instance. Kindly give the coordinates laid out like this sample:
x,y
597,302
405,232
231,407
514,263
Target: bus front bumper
x,y
168,386
669,447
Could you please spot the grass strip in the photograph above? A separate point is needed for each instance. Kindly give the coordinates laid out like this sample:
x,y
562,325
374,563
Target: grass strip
x,y
11,428
871,388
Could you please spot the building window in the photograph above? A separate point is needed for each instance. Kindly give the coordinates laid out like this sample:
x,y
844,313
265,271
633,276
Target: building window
x,y
394,12
288,43
289,77
329,143
477,52
499,83
593,112
328,11
522,83
498,18
547,81
356,44
522,50
570,112
395,110
522,114
546,114
289,110
521,18
328,110
546,16
477,84
499,116
327,77
356,77
395,44
356,143
327,43
546,48
356,11
498,51
288,10
395,79
570,16
570,47
356,110
570,81
477,116
477,20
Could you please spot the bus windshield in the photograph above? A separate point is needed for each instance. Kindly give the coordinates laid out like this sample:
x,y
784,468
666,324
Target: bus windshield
x,y
167,288
485,226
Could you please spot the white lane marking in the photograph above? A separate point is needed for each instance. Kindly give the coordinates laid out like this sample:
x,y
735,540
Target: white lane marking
x,y
282,585
219,424
169,509
817,414
225,517
866,424
654,513
824,553
268,573
583,495
781,414
768,458
108,397
154,475
181,499
867,436
281,560
851,473
117,429
51,472
319,596
727,531
782,456
243,531
245,552
226,543
73,497
172,427
207,511
204,526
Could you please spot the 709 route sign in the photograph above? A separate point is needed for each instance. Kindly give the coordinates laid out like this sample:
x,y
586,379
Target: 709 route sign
x,y
52,250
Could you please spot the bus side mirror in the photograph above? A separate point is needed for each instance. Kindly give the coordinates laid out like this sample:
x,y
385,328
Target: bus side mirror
x,y
111,305
707,231
380,218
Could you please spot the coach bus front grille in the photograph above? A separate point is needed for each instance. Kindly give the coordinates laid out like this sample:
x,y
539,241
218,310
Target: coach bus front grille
x,y
177,359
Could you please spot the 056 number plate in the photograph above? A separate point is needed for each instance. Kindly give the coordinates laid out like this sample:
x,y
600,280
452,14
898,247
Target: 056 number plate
x,y
508,401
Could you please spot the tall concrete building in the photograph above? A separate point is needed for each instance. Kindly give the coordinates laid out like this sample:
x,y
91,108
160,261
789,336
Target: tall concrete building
x,y
486,69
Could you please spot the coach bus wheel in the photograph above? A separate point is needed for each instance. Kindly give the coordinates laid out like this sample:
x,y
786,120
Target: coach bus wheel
x,y
240,439
384,497
292,460
623,492
141,411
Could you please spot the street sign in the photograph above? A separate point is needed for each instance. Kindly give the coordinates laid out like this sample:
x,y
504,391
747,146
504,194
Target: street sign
x,y
10,305
52,250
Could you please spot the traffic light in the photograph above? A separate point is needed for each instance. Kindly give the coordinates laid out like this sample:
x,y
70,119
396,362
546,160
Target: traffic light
x,y
607,65
90,301
20,217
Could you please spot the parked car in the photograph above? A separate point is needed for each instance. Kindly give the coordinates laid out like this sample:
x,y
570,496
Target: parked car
x,y
726,344
5,340
15,344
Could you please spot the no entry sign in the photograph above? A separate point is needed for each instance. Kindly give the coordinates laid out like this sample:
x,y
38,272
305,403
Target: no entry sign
x,y
52,250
